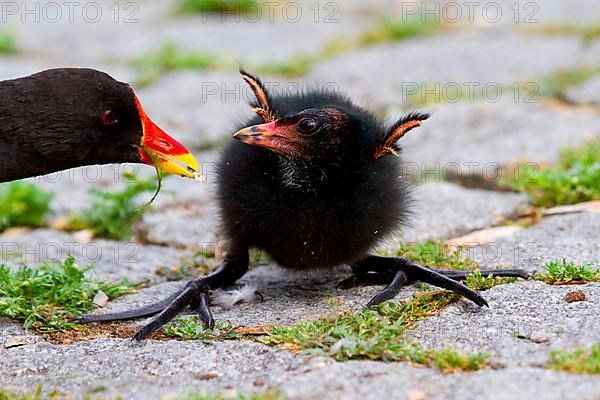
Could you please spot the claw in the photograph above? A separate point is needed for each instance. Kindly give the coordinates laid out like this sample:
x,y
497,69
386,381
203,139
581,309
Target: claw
x,y
204,312
391,290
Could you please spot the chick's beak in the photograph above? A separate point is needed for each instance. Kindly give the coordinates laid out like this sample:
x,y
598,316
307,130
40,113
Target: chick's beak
x,y
161,150
264,135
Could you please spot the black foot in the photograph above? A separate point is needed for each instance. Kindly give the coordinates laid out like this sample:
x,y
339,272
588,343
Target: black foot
x,y
194,294
398,272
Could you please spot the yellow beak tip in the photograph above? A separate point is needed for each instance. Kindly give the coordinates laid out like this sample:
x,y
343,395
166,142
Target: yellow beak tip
x,y
183,165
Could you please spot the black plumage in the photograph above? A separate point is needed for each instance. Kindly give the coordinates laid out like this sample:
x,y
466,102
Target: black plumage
x,y
315,181
70,117
323,204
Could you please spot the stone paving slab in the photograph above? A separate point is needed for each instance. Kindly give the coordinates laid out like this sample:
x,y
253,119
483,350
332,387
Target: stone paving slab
x,y
524,323
471,140
586,93
202,107
371,380
113,259
571,237
444,210
380,75
146,370
148,24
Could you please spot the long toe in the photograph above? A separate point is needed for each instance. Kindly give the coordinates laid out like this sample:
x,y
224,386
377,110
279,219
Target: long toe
x,y
204,312
391,290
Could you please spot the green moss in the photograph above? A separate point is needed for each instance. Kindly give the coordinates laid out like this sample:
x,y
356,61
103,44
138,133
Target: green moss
x,y
223,6
449,360
169,57
573,179
578,361
22,204
193,329
386,30
303,63
392,29
297,66
477,281
564,271
113,214
8,43
46,298
376,334
37,394
433,254
270,394
587,33
555,84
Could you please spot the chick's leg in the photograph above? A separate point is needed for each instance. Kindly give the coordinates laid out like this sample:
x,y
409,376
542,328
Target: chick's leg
x,y
194,294
398,272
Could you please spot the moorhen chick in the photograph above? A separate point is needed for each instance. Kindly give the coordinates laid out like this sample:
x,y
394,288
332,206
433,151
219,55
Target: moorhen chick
x,y
316,182
71,117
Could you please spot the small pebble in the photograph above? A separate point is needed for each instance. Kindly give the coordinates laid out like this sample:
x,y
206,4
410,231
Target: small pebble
x,y
16,341
100,299
575,295
539,337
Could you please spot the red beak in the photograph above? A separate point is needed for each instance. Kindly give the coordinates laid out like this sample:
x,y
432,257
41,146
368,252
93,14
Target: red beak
x,y
264,135
161,150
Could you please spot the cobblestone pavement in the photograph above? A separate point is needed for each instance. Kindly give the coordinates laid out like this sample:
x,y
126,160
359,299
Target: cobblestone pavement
x,y
476,135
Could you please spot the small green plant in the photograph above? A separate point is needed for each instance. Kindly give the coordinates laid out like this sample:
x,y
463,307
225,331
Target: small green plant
x,y
390,30
564,271
8,43
578,361
169,57
574,179
223,6
113,214
271,394
48,297
193,329
22,204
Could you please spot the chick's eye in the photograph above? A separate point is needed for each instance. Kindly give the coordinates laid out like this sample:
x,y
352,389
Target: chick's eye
x,y
307,125
109,117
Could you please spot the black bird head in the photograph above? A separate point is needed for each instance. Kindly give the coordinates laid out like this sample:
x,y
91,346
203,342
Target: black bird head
x,y
70,117
319,127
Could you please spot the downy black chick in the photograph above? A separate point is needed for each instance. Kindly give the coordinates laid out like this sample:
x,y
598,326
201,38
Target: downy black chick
x,y
315,182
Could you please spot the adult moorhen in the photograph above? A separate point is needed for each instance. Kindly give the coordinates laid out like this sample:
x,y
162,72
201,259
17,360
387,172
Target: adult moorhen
x,y
70,117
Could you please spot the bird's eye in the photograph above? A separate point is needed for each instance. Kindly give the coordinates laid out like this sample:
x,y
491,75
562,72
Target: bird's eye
x,y
109,117
307,126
